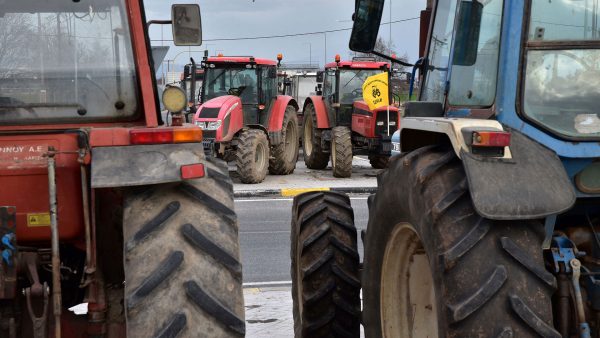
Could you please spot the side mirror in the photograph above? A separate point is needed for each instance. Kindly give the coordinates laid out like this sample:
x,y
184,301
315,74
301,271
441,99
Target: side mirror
x,y
187,25
366,25
320,76
467,33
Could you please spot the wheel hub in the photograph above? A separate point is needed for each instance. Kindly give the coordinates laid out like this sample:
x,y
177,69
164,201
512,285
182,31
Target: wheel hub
x,y
408,307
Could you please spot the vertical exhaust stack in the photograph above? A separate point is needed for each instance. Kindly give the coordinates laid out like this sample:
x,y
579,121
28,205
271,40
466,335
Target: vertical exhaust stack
x,y
56,292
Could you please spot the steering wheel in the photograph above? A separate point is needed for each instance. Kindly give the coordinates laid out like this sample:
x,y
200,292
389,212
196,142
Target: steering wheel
x,y
357,92
236,91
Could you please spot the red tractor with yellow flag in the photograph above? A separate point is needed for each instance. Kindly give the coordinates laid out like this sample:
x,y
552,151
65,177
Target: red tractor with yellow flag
x,y
352,116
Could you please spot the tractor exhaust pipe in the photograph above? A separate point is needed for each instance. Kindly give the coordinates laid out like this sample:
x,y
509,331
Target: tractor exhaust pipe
x,y
56,292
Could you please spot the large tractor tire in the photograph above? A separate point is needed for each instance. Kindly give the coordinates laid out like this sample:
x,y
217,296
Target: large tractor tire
x,y
341,152
325,267
434,268
183,276
379,161
314,156
252,156
285,154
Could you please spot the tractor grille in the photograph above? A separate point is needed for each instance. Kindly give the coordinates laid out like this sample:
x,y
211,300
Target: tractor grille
x,y
381,130
209,134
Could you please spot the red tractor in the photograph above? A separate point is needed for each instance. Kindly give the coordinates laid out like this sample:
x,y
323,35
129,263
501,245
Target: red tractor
x,y
101,203
340,123
244,119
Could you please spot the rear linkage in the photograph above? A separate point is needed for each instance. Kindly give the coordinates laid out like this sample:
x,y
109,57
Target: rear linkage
x,y
12,260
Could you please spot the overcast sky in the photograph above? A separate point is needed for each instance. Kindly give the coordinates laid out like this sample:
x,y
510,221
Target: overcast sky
x,y
245,18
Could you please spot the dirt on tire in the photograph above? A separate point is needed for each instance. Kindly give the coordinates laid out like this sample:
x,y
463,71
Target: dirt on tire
x,y
314,156
183,276
325,266
285,155
488,276
341,152
252,156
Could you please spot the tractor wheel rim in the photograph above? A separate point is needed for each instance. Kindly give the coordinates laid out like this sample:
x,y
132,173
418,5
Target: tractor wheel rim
x,y
407,296
260,157
308,137
291,141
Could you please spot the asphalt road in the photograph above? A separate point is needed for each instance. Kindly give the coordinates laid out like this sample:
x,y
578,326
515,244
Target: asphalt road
x,y
265,237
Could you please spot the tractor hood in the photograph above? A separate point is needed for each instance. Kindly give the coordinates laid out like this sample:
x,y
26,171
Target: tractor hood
x,y
217,108
220,118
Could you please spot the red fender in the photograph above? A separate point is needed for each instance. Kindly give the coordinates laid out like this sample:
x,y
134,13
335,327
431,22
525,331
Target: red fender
x,y
228,110
278,111
322,117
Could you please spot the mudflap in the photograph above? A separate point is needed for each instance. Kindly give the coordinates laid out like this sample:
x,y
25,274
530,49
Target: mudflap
x,y
533,184
142,164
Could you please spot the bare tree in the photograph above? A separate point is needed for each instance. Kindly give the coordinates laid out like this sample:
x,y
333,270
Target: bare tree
x,y
14,32
382,46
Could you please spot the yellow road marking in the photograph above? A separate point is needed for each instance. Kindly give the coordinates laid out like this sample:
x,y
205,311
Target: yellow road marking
x,y
291,192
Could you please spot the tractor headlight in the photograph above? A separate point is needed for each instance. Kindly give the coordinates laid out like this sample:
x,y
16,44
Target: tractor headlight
x,y
174,99
213,125
201,124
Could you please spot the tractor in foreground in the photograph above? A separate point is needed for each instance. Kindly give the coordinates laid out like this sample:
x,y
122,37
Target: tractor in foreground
x,y
486,224
101,204
243,118
339,124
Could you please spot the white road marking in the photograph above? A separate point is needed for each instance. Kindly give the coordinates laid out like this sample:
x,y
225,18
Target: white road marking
x,y
285,282
284,199
266,232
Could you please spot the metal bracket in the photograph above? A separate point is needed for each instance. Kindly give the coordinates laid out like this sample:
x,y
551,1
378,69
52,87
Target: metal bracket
x,y
562,252
39,323
549,224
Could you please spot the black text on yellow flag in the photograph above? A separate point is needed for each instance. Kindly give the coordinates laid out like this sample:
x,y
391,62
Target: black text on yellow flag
x,y
375,91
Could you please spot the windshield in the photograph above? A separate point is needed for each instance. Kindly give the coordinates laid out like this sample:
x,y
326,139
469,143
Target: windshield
x,y
65,61
562,86
231,81
351,82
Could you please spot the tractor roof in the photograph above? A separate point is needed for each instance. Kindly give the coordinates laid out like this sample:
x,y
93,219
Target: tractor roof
x,y
241,59
358,64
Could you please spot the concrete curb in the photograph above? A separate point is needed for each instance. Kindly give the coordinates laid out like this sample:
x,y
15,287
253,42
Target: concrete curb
x,y
291,192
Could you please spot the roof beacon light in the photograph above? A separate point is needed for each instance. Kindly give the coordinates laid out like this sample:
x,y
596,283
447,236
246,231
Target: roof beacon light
x,y
220,55
279,58
337,58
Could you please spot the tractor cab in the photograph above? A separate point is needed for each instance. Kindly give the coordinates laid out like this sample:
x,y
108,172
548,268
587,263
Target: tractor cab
x,y
343,82
253,80
243,118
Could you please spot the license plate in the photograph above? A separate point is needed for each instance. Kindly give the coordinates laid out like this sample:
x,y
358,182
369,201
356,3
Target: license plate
x,y
396,146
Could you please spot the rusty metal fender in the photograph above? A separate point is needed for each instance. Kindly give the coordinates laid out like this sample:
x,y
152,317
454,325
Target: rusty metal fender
x,y
142,165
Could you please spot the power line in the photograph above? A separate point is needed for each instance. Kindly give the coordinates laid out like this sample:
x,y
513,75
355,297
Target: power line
x,y
295,34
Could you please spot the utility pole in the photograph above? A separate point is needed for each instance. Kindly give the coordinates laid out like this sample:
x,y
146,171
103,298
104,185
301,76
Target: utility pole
x,y
390,42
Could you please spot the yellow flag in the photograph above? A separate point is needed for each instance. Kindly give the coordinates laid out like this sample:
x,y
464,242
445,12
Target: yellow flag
x,y
375,91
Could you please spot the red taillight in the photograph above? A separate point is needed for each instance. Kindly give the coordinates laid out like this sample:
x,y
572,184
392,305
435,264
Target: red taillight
x,y
165,135
491,139
192,171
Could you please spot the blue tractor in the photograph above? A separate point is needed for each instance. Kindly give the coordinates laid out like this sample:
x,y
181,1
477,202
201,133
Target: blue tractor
x,y
486,223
